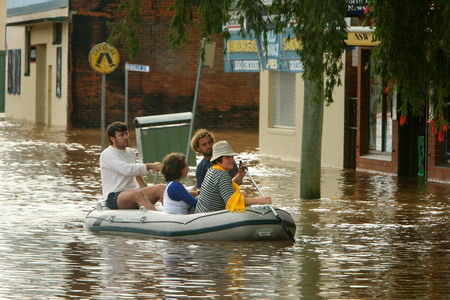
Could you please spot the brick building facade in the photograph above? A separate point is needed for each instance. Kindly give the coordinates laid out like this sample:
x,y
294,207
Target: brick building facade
x,y
226,100
398,151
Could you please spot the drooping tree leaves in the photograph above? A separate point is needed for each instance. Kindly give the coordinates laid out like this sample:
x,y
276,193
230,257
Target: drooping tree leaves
x,y
319,26
415,52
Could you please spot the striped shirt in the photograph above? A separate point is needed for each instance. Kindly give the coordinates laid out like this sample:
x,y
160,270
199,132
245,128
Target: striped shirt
x,y
215,192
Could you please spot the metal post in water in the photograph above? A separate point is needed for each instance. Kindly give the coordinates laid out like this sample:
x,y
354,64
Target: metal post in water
x,y
103,112
126,93
197,88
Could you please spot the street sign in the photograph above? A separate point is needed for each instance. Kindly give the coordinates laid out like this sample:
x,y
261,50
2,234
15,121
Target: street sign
x,y
104,58
132,67
137,68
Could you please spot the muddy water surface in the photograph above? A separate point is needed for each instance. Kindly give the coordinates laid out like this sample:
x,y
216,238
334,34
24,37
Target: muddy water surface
x,y
369,236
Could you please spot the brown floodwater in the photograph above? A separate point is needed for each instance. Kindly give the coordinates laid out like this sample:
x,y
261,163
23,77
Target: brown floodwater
x,y
369,236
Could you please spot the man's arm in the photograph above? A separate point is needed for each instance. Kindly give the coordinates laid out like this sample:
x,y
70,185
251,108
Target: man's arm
x,y
141,181
156,166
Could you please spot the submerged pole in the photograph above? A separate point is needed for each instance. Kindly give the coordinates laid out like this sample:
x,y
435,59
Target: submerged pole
x,y
197,90
102,142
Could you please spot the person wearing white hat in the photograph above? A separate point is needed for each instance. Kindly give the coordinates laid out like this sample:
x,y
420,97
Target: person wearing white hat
x,y
218,190
202,143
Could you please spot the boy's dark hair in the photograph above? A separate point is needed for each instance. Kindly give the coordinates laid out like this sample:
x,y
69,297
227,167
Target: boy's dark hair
x,y
173,165
217,161
116,126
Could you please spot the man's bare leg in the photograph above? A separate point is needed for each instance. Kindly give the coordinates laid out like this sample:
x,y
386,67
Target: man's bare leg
x,y
133,199
155,193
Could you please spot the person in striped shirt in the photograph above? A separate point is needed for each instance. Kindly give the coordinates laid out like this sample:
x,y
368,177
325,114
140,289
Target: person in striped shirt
x,y
202,143
218,188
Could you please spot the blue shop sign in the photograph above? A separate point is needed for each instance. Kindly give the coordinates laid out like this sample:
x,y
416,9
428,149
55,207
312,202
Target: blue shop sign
x,y
241,54
248,54
289,60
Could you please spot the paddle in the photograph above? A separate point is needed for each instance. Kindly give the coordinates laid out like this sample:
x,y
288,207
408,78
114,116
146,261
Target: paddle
x,y
271,207
156,176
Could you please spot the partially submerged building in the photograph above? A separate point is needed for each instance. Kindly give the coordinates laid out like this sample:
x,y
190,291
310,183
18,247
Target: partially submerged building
x,y
50,80
361,128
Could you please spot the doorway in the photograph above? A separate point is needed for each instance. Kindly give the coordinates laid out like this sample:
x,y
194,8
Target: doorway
x,y
2,80
49,95
41,84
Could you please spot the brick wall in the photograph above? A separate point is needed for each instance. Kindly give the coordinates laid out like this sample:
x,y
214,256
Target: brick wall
x,y
437,170
226,100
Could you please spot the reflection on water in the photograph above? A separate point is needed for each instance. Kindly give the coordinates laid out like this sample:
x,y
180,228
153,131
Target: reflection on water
x,y
369,236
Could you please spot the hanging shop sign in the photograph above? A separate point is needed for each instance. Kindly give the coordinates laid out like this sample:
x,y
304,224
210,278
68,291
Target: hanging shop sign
x,y
241,53
361,39
356,7
250,54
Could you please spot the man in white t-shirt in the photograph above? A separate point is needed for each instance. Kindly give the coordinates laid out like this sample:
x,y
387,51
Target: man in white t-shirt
x,y
123,184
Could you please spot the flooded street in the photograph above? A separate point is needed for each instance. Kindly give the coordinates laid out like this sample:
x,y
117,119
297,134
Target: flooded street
x,y
370,236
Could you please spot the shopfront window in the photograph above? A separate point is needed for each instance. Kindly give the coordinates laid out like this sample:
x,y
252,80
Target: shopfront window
x,y
14,71
447,136
380,116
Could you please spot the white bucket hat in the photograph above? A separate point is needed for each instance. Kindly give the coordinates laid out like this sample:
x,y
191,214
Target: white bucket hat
x,y
221,148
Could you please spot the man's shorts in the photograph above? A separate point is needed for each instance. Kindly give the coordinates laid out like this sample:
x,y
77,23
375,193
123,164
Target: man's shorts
x,y
111,202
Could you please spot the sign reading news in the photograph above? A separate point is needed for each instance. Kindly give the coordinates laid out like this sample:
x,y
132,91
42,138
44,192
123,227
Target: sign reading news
x,y
356,7
249,54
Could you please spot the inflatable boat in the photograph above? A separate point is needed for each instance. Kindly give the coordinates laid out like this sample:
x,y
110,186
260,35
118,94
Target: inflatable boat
x,y
259,222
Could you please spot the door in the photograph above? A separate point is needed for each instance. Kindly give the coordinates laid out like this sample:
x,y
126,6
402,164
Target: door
x,y
49,95
2,80
41,84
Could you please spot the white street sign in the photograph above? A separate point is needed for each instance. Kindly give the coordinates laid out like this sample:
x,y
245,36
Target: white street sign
x,y
138,68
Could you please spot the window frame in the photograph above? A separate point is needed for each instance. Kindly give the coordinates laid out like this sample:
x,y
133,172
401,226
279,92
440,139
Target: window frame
x,y
14,71
282,95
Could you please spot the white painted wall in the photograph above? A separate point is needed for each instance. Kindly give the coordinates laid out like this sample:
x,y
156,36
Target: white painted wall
x,y
23,107
20,107
276,142
2,23
285,144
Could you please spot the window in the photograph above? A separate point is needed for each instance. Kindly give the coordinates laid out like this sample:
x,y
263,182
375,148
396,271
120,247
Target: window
x,y
380,116
28,51
282,97
57,33
14,60
58,71
447,136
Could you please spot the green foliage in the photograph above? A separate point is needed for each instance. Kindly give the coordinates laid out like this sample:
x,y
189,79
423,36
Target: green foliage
x,y
211,15
126,29
320,27
318,24
414,34
414,51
